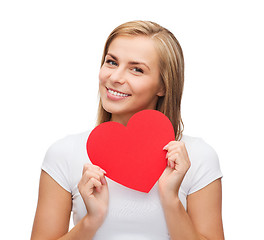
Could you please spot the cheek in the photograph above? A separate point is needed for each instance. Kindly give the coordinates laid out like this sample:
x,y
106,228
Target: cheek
x,y
102,76
144,89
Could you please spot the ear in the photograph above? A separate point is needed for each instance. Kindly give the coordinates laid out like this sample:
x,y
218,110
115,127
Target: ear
x,y
161,91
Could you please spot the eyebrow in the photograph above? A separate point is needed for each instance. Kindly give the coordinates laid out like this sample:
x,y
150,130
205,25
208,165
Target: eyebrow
x,y
131,62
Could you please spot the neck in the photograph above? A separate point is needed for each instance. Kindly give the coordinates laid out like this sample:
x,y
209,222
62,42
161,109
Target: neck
x,y
123,119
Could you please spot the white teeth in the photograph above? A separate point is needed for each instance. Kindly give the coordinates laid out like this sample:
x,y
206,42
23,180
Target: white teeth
x,y
117,93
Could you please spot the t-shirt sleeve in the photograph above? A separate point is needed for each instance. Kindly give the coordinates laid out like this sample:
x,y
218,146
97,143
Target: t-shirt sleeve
x,y
205,167
56,163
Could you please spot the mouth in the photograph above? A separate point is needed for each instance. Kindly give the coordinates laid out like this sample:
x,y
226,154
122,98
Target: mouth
x,y
117,93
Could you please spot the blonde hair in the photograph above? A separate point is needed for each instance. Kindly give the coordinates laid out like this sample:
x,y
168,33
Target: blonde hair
x,y
171,65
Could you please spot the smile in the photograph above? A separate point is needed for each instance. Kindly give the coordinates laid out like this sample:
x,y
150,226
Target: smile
x,y
115,93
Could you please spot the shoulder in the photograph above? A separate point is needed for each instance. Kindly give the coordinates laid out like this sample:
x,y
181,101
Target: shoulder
x,y
65,145
200,151
64,159
205,166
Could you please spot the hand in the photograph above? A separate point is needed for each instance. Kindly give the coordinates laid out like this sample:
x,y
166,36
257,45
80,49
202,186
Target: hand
x,y
178,164
94,191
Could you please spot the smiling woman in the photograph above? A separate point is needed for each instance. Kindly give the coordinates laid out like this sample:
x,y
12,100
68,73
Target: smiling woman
x,y
163,46
142,68
131,68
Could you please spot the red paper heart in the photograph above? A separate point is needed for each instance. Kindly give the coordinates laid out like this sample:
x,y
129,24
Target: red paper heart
x,y
132,156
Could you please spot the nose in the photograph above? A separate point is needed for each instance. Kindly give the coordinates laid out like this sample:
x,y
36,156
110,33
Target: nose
x,y
118,75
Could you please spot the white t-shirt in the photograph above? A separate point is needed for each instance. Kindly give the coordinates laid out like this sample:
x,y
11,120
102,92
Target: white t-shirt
x,y
131,214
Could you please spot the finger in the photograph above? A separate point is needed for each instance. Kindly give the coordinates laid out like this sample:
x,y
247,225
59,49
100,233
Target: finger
x,y
103,180
179,157
173,157
88,175
172,152
89,166
85,167
171,164
98,169
99,175
86,187
166,147
95,169
93,183
103,170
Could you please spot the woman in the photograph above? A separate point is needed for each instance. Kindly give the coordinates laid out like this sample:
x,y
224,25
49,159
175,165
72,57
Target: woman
x,y
142,68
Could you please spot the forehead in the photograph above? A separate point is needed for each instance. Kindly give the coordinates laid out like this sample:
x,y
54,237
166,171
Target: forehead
x,y
138,48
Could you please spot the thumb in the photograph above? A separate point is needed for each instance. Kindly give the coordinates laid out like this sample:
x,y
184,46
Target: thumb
x,y
166,172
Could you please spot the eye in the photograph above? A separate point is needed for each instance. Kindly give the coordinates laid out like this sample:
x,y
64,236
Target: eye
x,y
111,62
139,70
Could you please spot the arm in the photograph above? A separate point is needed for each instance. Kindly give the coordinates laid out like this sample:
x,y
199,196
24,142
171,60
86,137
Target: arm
x,y
53,214
205,210
203,218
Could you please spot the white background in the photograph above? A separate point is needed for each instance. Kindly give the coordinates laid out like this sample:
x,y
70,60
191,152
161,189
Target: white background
x,y
50,54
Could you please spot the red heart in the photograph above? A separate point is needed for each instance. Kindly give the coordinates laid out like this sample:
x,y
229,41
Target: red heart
x,y
132,156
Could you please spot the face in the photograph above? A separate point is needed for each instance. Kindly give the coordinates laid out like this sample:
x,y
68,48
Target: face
x,y
129,78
